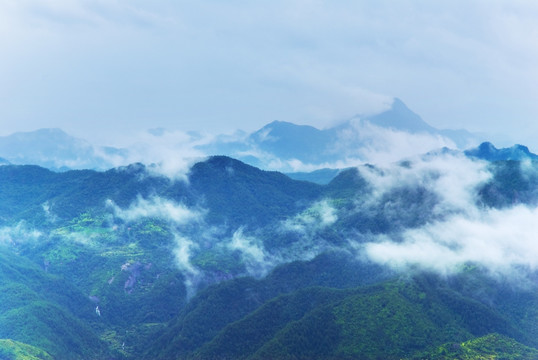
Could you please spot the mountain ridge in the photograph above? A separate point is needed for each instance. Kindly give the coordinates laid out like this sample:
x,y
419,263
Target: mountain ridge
x,y
191,268
487,151
279,145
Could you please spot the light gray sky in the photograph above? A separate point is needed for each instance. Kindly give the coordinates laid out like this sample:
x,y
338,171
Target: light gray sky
x,y
105,68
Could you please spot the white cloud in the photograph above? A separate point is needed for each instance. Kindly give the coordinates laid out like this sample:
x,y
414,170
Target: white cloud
x,y
453,178
458,230
500,240
82,238
183,253
373,144
179,218
170,153
318,216
48,212
156,207
19,234
256,259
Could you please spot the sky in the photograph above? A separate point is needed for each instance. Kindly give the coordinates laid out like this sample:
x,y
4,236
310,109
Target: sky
x,y
105,69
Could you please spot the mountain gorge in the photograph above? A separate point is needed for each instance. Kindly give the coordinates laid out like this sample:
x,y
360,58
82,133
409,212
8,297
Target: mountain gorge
x,y
432,256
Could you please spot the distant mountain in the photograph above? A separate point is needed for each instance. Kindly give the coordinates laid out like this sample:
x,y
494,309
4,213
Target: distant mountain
x,y
53,149
287,141
487,151
400,117
278,140
281,143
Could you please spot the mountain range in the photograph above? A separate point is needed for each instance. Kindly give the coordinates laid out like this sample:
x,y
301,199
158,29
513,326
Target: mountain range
x,y
431,256
237,262
282,142
279,145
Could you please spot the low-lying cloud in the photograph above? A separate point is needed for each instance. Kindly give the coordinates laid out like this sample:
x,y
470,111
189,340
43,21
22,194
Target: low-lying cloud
x,y
19,234
459,230
179,219
170,153
378,145
156,207
453,178
253,253
318,216
183,254
499,240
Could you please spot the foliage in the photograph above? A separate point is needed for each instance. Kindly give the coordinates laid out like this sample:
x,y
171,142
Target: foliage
x,y
510,185
15,350
489,347
64,251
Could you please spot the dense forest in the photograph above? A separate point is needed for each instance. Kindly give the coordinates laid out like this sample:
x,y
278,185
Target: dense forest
x,y
232,262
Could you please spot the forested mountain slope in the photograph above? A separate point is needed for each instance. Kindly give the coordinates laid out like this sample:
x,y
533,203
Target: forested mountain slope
x,y
229,261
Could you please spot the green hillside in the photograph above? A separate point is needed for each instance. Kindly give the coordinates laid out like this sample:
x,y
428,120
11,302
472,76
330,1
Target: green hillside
x,y
45,311
489,347
14,350
241,263
388,321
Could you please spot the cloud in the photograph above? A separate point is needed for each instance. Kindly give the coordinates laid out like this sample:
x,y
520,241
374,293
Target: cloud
x,y
156,207
301,237
318,216
352,143
80,14
170,153
19,234
502,241
373,144
86,238
51,217
453,178
457,230
183,255
257,260
184,224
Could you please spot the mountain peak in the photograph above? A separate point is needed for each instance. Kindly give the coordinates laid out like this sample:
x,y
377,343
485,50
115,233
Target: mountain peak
x,y
488,151
399,105
400,117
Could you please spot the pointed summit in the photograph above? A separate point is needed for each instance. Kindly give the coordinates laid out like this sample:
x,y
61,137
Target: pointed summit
x,y
285,146
400,117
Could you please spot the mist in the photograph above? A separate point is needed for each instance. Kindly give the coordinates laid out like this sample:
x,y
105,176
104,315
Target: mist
x,y
459,228
156,207
168,153
378,145
257,260
501,241
19,234
422,212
